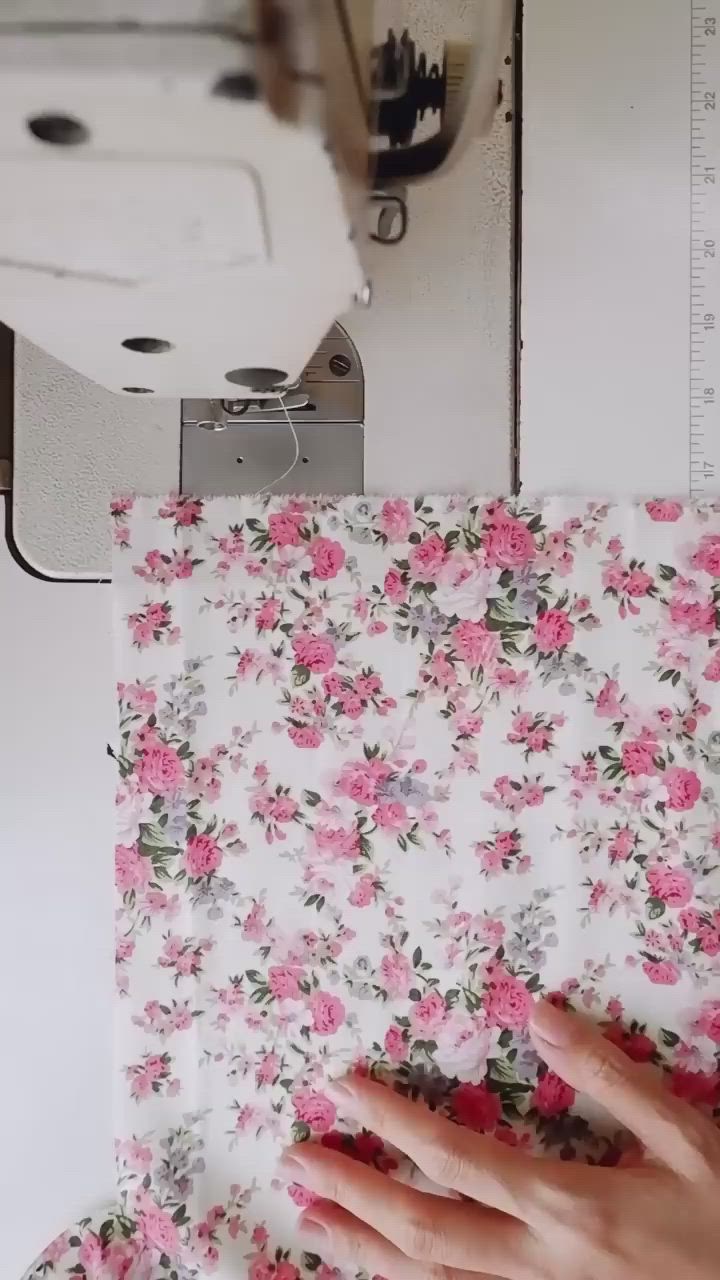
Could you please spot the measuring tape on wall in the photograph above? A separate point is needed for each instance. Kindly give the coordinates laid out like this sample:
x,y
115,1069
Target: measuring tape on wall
x,y
705,268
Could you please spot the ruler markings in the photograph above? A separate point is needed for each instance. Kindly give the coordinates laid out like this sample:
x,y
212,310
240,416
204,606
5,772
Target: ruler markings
x,y
704,456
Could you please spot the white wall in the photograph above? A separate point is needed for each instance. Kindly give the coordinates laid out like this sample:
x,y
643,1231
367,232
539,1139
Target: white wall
x,y
56,809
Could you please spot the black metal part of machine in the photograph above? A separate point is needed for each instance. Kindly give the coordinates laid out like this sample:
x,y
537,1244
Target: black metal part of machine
x,y
405,88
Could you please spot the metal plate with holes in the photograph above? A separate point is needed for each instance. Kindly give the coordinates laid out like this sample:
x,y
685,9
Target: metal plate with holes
x,y
241,446
246,458
331,389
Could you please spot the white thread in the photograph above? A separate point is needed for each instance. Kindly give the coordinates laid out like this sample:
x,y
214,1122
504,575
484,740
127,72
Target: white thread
x,y
296,459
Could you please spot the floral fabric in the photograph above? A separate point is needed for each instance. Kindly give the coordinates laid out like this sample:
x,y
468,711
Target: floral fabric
x,y
387,772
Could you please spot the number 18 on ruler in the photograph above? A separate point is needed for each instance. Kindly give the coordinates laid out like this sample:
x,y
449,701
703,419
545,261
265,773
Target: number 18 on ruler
x,y
705,271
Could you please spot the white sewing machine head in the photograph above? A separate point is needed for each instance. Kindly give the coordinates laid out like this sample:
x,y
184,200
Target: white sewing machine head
x,y
189,186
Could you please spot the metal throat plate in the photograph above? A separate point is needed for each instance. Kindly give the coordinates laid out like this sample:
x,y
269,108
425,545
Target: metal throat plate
x,y
242,446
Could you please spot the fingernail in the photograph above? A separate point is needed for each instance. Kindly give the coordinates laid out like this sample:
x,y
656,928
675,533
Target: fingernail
x,y
312,1228
552,1025
291,1167
339,1091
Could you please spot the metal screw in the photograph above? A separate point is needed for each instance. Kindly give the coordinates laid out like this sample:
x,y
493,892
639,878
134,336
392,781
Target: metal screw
x,y
340,365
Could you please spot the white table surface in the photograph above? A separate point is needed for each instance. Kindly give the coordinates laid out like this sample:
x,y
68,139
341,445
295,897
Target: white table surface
x,y
56,908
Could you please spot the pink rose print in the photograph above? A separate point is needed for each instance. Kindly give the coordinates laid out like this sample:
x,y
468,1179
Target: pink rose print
x,y
286,1271
710,941
427,1015
160,770
159,1230
427,558
261,1268
305,736
284,981
695,1087
396,974
365,1147
621,845
391,817
315,652
708,1023
56,1251
691,920
509,543
395,1046
552,1095
664,511
328,1013
553,630
638,583
638,758
337,843
396,519
91,1252
185,511
284,528
394,587
662,973
359,781
508,1002
707,556
475,643
132,871
268,614
712,670
314,1110
692,618
673,887
203,855
283,809
608,703
363,892
328,558
476,1107
268,1069
635,1044
683,788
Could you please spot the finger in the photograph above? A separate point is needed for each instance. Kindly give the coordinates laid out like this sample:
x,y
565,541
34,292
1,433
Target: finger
x,y
426,1228
482,1168
668,1127
335,1233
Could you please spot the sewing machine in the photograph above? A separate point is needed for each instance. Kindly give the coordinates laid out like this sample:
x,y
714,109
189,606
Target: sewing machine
x,y
227,181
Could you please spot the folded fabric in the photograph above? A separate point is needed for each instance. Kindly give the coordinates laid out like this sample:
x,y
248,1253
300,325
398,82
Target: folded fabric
x,y
390,770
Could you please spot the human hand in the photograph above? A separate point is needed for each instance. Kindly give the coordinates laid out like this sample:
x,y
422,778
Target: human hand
x,y
524,1218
